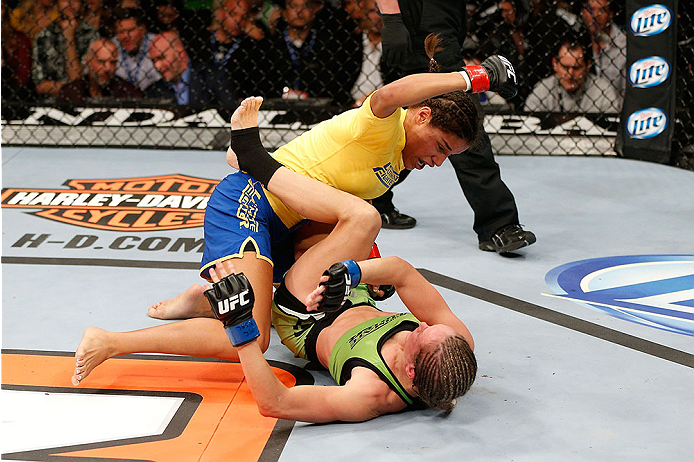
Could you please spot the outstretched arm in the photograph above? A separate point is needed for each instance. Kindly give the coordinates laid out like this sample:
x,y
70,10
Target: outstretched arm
x,y
361,399
357,401
418,295
413,89
496,73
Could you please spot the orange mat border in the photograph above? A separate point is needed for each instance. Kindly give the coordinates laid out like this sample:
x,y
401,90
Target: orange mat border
x,y
218,420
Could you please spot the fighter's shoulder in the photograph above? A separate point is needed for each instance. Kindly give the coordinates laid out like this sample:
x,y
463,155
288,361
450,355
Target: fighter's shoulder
x,y
366,384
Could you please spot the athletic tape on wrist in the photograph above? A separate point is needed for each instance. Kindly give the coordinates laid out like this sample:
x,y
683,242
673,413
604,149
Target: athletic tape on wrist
x,y
240,334
354,272
467,81
479,79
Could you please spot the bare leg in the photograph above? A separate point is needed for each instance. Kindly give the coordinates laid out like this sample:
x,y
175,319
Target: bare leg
x,y
357,221
196,337
203,337
192,303
189,304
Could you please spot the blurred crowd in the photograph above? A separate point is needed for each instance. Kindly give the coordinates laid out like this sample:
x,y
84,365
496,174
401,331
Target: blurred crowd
x,y
570,56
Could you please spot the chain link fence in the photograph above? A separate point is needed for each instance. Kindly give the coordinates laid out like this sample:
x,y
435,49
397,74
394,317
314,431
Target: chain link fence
x,y
168,73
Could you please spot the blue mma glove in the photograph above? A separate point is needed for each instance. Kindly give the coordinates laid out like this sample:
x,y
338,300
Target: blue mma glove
x,y
232,301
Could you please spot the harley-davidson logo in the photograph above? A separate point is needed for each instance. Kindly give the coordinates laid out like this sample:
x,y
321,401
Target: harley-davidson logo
x,y
152,203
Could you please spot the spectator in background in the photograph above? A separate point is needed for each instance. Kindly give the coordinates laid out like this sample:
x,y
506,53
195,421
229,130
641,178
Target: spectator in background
x,y
16,60
545,29
132,41
266,13
569,12
573,88
365,14
100,81
609,42
238,56
166,16
33,16
534,31
59,48
502,31
92,15
320,50
182,78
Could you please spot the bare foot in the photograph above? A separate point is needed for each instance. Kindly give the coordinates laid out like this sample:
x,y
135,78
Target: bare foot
x,y
246,115
189,304
92,351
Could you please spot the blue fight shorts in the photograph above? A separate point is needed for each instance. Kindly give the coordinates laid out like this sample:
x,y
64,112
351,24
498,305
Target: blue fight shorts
x,y
238,217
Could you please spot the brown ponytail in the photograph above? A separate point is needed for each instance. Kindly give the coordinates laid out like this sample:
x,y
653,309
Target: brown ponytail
x,y
452,112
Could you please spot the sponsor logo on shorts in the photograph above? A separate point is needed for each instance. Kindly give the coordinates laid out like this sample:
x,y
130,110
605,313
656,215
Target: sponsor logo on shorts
x,y
646,123
652,290
387,175
248,207
120,204
650,20
649,72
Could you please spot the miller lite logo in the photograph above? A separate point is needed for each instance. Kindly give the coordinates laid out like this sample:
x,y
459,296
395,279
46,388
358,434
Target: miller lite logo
x,y
649,72
230,304
646,123
650,20
152,203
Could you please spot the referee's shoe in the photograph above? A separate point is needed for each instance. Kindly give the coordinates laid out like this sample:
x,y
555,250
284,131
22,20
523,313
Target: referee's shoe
x,y
397,220
507,239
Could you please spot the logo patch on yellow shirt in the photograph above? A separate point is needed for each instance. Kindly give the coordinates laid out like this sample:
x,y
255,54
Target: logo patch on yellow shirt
x,y
387,175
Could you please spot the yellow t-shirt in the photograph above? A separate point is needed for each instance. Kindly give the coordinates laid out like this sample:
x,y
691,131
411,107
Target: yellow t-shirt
x,y
355,152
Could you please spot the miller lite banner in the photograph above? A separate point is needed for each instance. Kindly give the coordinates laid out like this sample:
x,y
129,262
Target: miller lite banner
x,y
649,102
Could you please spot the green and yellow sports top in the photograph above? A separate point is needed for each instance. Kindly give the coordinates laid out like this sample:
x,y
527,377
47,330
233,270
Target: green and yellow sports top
x,y
361,346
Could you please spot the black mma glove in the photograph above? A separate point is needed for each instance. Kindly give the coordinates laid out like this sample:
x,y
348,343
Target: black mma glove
x,y
344,276
232,303
388,289
395,39
496,73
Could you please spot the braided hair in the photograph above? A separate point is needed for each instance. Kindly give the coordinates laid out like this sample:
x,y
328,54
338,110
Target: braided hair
x,y
444,372
452,112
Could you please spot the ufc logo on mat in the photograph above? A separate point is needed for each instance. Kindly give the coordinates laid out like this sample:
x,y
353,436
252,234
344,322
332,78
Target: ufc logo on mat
x,y
230,304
